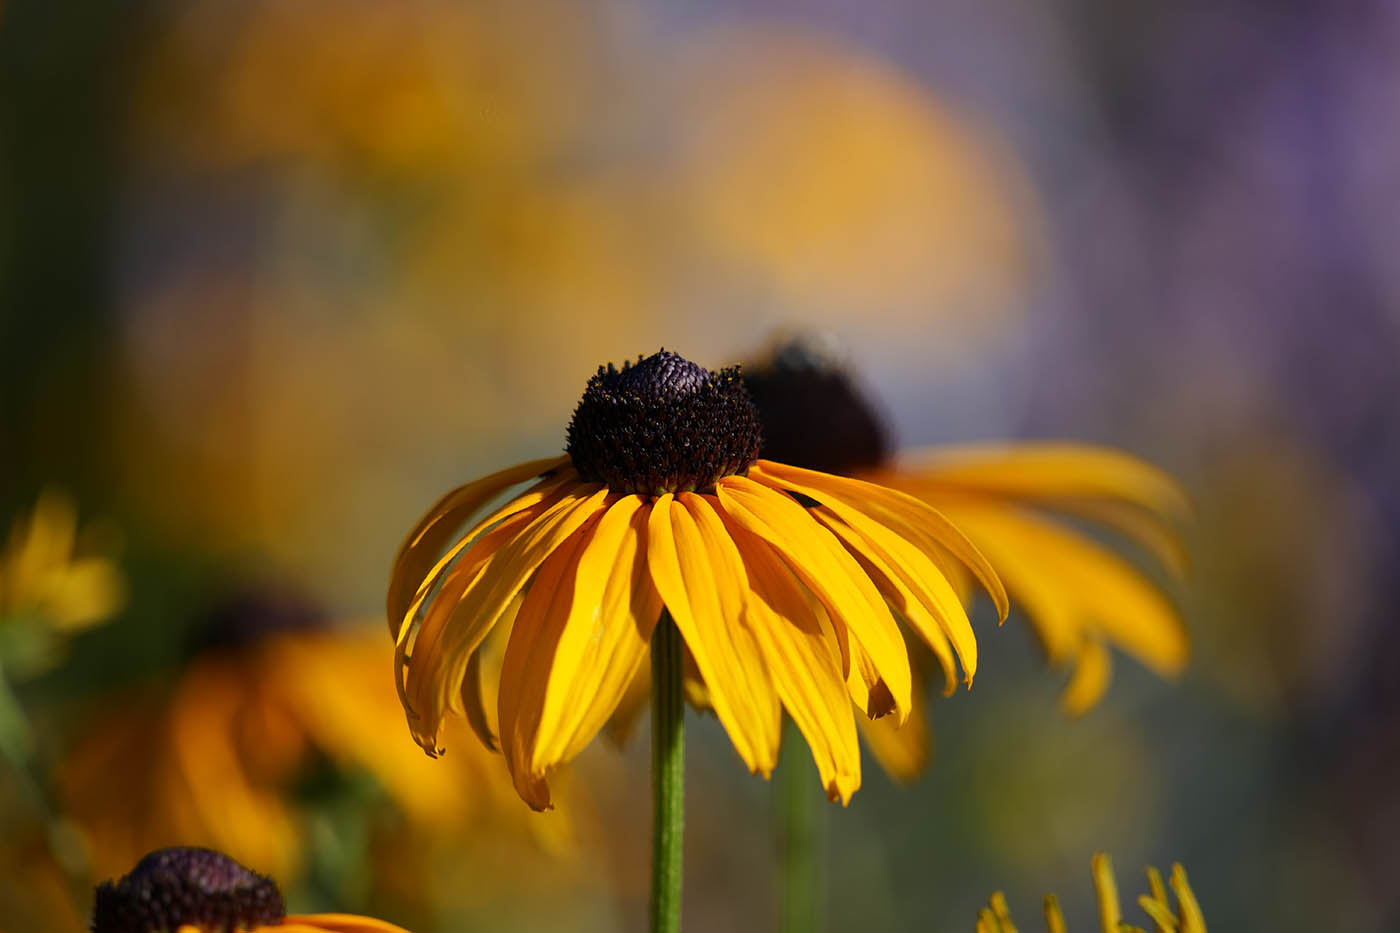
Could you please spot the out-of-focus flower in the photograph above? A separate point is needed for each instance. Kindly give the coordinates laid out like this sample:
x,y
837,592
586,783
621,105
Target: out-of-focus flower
x,y
192,890
219,758
828,181
661,503
51,585
1017,504
1185,918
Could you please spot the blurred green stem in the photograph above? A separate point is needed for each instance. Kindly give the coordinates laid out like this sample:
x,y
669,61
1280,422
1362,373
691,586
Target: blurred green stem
x,y
667,774
17,742
801,835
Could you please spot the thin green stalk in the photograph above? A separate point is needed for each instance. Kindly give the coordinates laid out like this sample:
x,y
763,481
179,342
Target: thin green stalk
x,y
667,775
802,837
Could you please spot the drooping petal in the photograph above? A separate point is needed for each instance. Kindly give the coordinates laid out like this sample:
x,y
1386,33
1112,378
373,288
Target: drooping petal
x,y
425,637
903,514
605,638
1093,669
421,548
1148,530
700,594
902,751
1041,471
434,676
804,659
1106,594
817,558
483,681
526,667
1051,607
913,585
548,491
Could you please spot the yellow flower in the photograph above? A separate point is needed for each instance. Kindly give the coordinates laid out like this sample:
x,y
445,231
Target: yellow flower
x,y
1016,503
1186,918
215,759
777,579
43,577
191,890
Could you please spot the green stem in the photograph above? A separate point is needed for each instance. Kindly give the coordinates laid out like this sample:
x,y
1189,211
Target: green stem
x,y
17,745
667,775
801,832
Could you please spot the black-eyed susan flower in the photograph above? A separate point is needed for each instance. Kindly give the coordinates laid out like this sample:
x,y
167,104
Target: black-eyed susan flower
x,y
193,890
1019,504
779,579
272,698
1185,917
52,584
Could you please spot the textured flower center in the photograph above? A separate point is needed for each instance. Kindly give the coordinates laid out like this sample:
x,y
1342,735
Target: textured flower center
x,y
813,415
663,424
171,887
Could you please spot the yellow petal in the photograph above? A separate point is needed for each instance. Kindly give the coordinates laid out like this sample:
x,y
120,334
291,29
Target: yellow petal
x,y
1106,887
903,514
1155,886
605,638
1160,913
1102,592
1000,911
420,549
434,676
703,597
902,751
1054,470
1192,920
446,609
334,923
824,566
1051,607
408,592
1054,919
1093,669
914,586
630,706
1148,530
83,593
805,662
481,686
526,668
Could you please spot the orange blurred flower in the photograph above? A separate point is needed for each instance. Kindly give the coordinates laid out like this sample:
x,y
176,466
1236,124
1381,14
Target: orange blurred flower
x,y
216,759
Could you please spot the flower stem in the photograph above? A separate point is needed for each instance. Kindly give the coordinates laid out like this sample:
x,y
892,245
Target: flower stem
x,y
667,775
801,837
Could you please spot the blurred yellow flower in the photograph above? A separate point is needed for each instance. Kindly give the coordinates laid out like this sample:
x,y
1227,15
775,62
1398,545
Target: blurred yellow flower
x,y
194,890
836,182
52,584
216,759
42,574
662,504
1018,504
1185,918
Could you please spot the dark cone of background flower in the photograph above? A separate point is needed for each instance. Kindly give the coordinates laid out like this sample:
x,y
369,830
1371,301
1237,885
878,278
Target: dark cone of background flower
x,y
663,424
254,613
813,415
200,887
